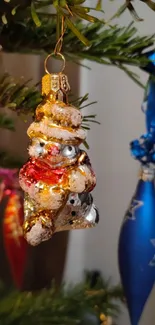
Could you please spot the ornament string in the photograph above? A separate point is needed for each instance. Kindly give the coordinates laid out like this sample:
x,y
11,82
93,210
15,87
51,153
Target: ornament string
x,y
58,48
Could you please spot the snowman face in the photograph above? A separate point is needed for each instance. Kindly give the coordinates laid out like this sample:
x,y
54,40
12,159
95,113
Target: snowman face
x,y
54,153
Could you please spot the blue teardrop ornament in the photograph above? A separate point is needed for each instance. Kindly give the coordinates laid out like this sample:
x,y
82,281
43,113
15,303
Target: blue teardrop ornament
x,y
150,107
137,246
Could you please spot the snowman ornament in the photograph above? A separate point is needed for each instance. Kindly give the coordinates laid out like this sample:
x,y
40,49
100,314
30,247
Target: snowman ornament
x,y
58,177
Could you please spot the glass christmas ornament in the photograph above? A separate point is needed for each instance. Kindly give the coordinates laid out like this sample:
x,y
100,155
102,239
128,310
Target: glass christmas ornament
x,y
16,248
58,178
137,246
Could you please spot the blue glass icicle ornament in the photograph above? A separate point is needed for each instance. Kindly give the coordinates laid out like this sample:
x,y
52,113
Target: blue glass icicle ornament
x,y
150,66
137,236
149,99
137,246
150,106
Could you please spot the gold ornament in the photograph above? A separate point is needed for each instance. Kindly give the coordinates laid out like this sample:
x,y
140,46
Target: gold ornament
x,y
58,177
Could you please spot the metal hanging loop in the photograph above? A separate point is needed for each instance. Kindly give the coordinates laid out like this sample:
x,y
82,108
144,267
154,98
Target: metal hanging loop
x,y
55,54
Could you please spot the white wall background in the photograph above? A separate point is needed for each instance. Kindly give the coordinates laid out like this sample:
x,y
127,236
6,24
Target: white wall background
x,y
119,111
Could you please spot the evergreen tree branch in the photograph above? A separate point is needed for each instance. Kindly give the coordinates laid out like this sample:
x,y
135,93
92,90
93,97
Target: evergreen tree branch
x,y
6,122
63,306
128,4
108,45
18,96
13,10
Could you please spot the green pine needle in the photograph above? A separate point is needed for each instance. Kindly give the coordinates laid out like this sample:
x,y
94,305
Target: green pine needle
x,y
109,45
23,99
127,4
6,122
18,96
66,306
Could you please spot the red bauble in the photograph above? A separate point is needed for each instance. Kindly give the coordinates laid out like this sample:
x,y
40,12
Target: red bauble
x,y
14,242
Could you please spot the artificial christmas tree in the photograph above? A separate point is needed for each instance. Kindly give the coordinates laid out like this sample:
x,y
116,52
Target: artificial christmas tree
x,y
31,27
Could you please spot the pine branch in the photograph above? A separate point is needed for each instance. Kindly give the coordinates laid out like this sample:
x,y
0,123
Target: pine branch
x,y
128,4
18,96
58,306
6,122
12,10
108,45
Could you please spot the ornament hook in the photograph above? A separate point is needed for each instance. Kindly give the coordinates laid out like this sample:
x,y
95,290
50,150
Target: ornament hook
x,y
58,47
55,54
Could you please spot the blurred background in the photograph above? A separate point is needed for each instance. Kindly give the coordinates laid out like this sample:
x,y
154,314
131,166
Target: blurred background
x,y
118,110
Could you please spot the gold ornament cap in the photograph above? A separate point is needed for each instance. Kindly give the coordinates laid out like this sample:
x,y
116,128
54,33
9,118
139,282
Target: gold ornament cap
x,y
147,173
56,86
